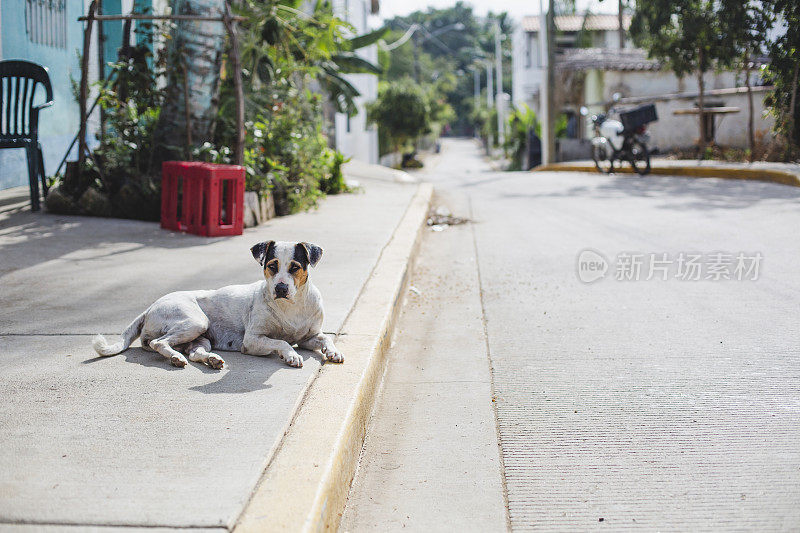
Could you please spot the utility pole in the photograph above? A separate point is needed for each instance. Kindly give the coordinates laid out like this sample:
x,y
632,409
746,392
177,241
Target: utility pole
x,y
621,20
416,58
489,101
498,63
476,75
548,102
101,62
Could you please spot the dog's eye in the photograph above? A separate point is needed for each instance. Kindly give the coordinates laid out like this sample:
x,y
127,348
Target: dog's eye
x,y
293,269
273,267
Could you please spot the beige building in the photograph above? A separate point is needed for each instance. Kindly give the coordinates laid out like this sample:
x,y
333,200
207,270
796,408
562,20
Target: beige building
x,y
591,67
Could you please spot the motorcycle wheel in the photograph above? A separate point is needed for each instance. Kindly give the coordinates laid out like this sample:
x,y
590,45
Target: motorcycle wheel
x,y
640,158
602,159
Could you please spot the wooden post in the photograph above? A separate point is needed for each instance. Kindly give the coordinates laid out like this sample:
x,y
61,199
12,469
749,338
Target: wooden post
x,y
701,102
101,61
792,106
237,84
125,55
87,41
187,107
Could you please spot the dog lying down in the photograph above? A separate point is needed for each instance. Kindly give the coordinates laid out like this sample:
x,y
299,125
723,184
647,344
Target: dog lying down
x,y
262,318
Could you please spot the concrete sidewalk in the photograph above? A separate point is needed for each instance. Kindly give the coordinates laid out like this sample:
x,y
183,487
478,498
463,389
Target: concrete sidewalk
x,y
129,440
783,173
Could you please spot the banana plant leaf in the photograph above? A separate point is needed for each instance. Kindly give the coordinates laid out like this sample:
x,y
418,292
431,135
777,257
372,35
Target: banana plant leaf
x,y
341,91
349,63
360,41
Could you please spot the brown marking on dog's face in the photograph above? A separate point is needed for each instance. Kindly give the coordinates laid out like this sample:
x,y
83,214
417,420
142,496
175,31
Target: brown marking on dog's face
x,y
299,273
286,266
271,268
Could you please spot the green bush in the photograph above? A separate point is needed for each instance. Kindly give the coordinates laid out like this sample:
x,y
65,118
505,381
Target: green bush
x,y
402,111
118,177
520,122
285,153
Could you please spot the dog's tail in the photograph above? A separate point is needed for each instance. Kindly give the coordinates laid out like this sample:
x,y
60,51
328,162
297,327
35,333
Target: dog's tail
x,y
101,346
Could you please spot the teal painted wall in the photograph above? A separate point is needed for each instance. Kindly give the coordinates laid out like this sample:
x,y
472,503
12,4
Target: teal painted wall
x,y
59,123
112,30
143,6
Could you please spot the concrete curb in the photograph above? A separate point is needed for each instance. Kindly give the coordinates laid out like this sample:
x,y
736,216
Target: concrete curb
x,y
769,175
305,486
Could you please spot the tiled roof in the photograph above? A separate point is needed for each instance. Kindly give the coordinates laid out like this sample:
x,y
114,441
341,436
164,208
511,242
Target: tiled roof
x,y
575,22
605,59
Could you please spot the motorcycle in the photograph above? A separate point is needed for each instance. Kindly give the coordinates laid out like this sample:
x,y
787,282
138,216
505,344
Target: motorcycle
x,y
622,140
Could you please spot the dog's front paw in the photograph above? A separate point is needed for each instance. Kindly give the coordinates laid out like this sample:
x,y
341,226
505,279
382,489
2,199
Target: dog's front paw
x,y
215,361
292,359
178,360
332,354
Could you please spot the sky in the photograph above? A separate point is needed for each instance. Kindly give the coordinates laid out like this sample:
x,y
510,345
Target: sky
x,y
516,8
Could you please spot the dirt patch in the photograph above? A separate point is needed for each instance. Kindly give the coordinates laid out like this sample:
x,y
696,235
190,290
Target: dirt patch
x,y
440,218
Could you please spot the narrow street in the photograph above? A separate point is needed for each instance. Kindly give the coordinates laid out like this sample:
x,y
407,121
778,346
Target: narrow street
x,y
519,395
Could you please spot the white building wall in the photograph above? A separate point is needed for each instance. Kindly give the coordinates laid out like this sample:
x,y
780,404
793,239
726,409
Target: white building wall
x,y
518,59
354,137
671,131
652,83
681,131
527,72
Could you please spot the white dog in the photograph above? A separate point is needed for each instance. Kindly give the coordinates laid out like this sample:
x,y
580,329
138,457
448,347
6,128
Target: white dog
x,y
262,318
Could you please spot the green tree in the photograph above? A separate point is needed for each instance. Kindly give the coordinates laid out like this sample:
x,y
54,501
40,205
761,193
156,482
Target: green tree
x,y
747,22
691,36
783,73
449,42
402,111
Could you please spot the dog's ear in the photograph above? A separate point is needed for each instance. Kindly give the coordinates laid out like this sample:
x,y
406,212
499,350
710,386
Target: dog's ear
x,y
261,250
313,252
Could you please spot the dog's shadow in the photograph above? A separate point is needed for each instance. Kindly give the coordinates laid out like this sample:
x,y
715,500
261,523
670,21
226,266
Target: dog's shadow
x,y
241,374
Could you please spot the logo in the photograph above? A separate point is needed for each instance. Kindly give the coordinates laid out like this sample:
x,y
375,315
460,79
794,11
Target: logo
x,y
592,266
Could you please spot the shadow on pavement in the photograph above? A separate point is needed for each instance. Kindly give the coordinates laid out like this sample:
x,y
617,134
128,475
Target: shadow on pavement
x,y
248,373
27,238
242,373
678,192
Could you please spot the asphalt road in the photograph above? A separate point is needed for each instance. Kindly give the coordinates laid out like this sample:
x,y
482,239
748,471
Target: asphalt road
x,y
646,399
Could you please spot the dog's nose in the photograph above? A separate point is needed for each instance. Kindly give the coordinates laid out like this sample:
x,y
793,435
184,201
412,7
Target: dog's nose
x,y
281,290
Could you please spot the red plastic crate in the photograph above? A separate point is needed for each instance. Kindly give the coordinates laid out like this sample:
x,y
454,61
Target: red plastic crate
x,y
202,198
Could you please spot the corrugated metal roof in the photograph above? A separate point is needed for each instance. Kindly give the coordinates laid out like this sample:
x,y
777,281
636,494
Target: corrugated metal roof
x,y
606,59
575,22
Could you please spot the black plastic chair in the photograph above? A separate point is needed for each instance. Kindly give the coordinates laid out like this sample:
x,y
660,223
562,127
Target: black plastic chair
x,y
19,118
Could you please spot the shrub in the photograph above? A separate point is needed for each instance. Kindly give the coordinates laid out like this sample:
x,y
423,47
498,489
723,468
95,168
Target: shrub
x,y
402,110
520,122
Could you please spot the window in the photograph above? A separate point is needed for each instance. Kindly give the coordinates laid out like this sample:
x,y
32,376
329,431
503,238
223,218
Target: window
x,y
528,38
46,22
